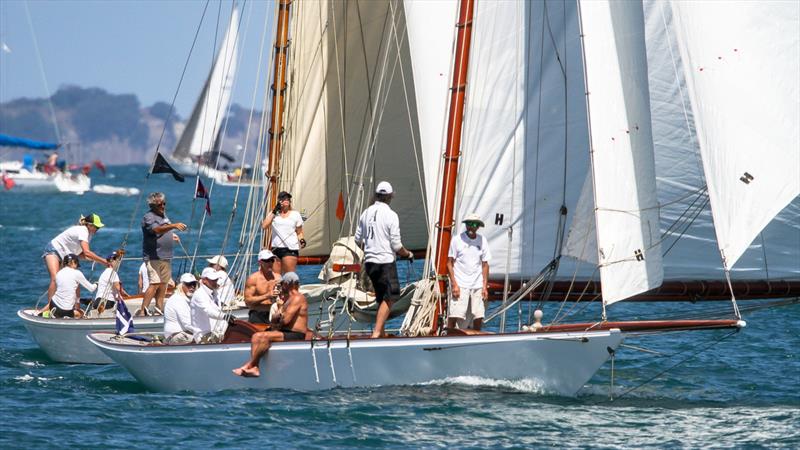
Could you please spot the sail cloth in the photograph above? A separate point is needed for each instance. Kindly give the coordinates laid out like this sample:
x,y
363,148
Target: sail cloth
x,y
208,113
351,103
741,65
626,205
11,141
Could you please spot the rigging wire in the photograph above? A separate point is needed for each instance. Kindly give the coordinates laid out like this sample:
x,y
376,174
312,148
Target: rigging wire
x,y
42,73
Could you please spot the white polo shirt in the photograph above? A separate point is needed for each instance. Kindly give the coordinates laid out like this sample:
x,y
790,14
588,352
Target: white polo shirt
x,y
205,312
379,231
69,241
469,255
67,280
178,314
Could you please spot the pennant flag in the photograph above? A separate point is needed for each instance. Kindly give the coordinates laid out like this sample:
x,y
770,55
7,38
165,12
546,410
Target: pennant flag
x,y
124,319
162,166
340,208
200,191
100,166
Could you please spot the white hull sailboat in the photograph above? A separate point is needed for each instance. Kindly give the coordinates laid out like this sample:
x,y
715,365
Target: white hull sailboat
x,y
557,362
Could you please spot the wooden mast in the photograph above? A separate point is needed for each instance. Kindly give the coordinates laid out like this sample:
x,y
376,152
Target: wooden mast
x,y
444,226
278,101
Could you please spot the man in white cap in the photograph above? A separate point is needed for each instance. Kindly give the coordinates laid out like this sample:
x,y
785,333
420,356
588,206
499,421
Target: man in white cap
x,y
261,288
468,268
178,327
226,294
378,233
289,323
207,316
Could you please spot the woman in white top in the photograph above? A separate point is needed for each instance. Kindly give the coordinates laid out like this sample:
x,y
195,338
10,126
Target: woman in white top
x,y
109,287
287,232
66,302
74,240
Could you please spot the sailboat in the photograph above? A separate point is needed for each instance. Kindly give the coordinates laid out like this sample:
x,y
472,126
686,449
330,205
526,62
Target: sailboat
x,y
196,151
28,176
607,82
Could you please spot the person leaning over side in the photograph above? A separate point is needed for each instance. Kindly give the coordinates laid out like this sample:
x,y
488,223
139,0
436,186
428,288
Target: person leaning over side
x,y
290,323
178,327
157,241
378,233
468,267
74,240
66,300
261,288
287,232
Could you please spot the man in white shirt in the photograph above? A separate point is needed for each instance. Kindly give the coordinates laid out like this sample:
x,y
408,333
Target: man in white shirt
x,y
378,233
207,317
66,302
178,327
226,294
468,268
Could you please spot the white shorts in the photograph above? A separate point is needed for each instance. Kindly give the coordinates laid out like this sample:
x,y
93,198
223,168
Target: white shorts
x,y
469,305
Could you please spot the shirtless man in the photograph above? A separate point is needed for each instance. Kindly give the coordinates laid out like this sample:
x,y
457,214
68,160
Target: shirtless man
x,y
290,324
262,288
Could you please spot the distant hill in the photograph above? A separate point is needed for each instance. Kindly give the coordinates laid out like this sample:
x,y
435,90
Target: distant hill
x,y
113,128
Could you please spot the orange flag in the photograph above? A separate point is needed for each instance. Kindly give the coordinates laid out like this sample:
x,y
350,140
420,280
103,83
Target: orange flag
x,y
340,208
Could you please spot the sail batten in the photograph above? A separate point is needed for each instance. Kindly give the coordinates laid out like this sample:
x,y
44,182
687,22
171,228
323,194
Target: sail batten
x,y
623,163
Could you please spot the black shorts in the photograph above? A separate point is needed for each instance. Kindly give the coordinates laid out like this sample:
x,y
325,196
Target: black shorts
x,y
384,280
59,313
280,252
258,316
289,335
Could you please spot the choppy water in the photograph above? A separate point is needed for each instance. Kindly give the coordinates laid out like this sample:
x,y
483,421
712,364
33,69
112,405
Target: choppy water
x,y
742,392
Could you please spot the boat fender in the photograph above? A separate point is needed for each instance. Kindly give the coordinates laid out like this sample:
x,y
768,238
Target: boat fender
x,y
537,320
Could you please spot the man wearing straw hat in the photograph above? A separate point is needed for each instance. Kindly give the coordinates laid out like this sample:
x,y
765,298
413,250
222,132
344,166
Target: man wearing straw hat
x,y
468,268
157,241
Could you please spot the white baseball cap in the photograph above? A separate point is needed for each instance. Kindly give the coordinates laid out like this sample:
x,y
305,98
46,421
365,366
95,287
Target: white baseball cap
x,y
187,278
219,259
265,254
212,274
384,188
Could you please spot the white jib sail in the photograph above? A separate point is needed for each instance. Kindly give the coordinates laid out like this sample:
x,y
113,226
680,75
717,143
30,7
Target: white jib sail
x,y
211,107
626,205
741,63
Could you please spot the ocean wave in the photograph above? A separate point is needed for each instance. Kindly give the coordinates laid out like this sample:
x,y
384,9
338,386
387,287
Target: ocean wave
x,y
527,385
28,378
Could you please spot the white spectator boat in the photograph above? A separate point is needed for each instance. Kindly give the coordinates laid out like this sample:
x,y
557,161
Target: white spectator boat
x,y
35,181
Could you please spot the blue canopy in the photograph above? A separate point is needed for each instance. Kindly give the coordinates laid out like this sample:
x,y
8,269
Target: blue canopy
x,y
11,141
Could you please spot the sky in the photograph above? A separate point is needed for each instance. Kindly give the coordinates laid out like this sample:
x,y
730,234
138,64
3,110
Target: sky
x,y
128,47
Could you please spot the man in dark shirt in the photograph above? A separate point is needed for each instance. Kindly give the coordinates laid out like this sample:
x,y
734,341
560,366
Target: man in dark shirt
x,y
157,242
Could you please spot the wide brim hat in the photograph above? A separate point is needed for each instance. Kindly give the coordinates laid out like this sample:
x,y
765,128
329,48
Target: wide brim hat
x,y
473,217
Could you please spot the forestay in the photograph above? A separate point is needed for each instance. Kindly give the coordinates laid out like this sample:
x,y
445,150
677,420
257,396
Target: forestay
x,y
741,65
626,207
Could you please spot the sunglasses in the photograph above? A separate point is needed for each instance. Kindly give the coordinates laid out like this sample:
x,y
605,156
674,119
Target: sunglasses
x,y
472,224
191,285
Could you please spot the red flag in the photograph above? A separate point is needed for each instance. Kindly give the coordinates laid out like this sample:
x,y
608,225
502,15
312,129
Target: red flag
x,y
100,166
201,192
340,207
8,182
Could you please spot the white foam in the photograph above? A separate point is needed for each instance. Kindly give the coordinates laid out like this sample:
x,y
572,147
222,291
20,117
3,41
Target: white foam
x,y
25,378
523,385
31,363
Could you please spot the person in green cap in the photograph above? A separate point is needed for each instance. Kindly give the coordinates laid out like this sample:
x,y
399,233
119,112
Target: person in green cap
x,y
74,240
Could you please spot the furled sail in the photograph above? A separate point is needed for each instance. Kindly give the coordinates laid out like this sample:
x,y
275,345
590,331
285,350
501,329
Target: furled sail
x,y
626,205
351,119
208,113
741,65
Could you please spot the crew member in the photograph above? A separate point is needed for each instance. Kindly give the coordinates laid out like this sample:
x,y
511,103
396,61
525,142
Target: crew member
x,y
468,268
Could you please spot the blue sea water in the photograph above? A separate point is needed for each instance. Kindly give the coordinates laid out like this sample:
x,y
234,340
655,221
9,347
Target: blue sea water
x,y
743,391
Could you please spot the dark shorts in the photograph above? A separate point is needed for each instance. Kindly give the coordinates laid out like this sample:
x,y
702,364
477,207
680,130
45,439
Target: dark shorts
x,y
50,250
109,304
59,313
280,252
289,335
258,316
384,280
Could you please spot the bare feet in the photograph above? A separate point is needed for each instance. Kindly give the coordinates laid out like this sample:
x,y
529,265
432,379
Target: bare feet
x,y
247,372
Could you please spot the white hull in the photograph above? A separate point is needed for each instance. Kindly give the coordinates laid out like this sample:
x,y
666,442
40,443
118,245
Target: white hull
x,y
41,183
559,362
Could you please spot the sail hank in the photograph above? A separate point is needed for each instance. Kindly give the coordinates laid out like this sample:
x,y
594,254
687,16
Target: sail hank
x,y
623,165
741,65
208,113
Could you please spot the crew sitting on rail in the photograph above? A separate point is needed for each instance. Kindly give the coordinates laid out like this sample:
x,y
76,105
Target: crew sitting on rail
x,y
66,300
208,319
109,288
226,294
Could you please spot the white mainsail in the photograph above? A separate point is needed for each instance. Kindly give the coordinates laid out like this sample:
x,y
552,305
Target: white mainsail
x,y
208,113
741,65
626,205
351,119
